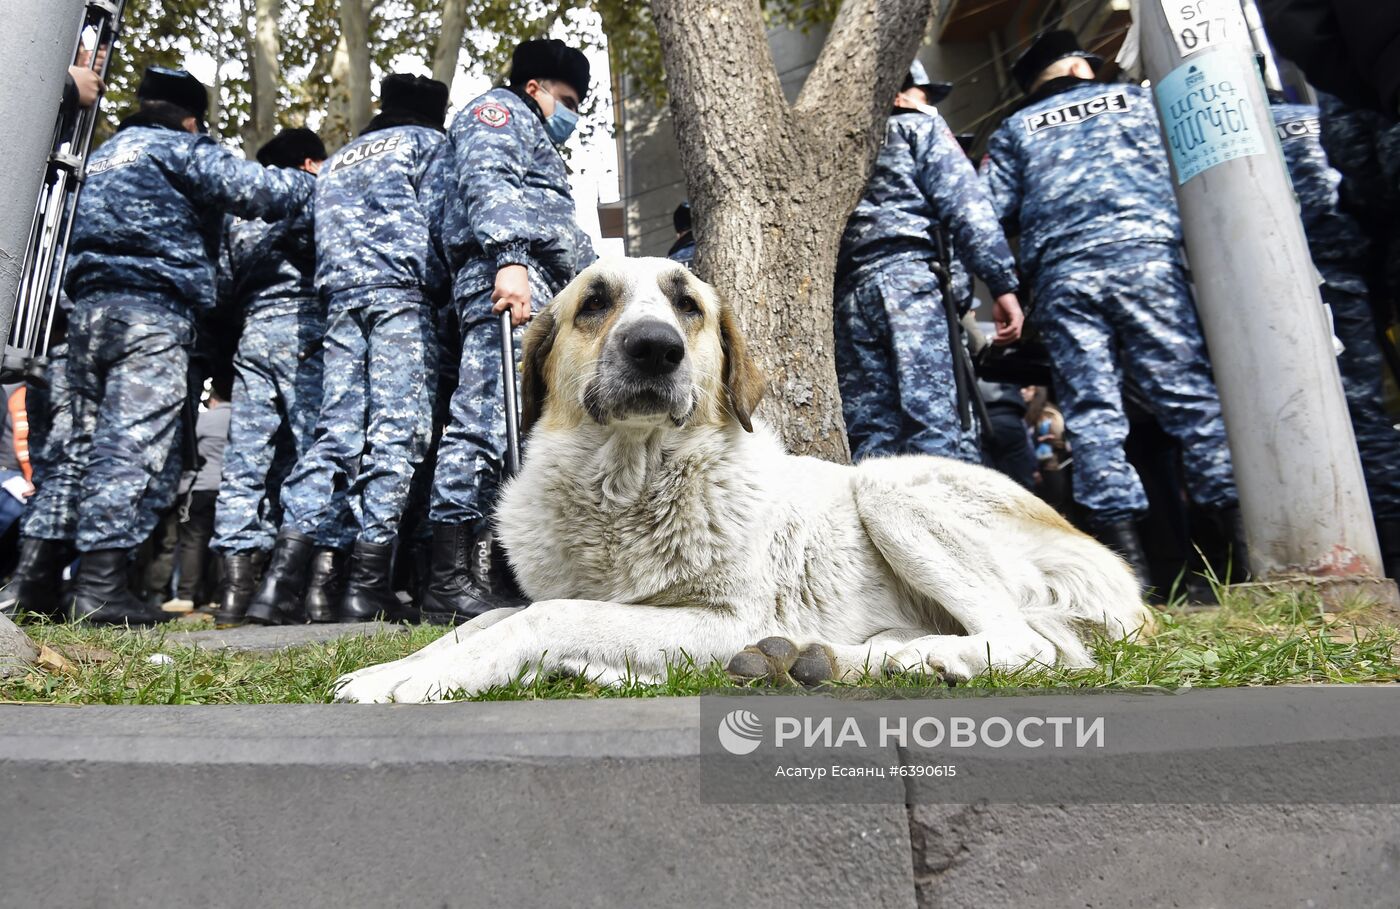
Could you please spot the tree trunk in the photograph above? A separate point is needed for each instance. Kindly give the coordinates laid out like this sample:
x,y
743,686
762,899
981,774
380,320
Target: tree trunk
x,y
216,92
449,42
348,106
771,184
266,51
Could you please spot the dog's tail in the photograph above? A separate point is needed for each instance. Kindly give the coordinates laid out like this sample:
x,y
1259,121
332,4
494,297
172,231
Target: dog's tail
x,y
1086,592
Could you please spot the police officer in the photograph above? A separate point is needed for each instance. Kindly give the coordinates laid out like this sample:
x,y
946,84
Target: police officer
x,y
268,272
512,242
379,268
140,264
894,356
1339,250
1079,169
683,250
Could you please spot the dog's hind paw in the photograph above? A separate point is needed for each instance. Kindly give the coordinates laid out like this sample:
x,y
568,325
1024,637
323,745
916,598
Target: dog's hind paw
x,y
775,661
814,665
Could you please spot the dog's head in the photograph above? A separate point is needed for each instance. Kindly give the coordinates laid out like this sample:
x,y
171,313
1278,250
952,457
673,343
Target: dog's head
x,y
637,341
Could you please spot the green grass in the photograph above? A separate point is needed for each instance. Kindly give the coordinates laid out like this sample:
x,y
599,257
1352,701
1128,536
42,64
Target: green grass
x,y
1285,641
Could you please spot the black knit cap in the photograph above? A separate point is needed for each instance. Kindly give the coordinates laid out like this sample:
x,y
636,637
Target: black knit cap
x,y
291,147
174,86
681,217
1046,49
550,58
417,97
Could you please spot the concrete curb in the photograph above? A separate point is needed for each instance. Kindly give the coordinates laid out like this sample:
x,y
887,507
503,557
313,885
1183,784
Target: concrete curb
x,y
556,803
579,804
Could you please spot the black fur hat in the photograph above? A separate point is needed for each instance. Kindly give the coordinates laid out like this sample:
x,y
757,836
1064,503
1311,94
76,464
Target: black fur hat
x,y
291,147
550,58
174,86
414,97
1046,49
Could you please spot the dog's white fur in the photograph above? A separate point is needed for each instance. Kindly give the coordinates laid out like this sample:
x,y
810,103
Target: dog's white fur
x,y
646,538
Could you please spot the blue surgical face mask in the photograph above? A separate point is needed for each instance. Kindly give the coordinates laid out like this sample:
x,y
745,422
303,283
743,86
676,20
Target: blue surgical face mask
x,y
560,124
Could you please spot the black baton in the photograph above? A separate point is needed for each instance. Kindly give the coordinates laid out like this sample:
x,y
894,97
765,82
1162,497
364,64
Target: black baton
x,y
961,380
508,380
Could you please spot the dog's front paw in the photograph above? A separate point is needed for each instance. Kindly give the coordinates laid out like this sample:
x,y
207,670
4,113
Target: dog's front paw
x,y
365,686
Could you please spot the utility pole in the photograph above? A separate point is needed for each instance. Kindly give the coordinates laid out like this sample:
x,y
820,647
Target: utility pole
x,y
36,48
1302,493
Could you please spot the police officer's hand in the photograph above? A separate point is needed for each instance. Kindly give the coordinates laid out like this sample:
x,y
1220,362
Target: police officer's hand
x,y
88,83
512,292
1006,313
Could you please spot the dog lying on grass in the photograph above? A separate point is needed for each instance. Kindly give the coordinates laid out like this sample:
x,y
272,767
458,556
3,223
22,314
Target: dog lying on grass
x,y
654,521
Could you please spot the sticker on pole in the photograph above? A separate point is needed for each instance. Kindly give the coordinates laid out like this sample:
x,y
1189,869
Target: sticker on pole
x,y
1199,24
1207,114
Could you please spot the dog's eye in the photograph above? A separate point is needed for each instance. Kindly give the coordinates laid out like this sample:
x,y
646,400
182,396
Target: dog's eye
x,y
687,305
593,303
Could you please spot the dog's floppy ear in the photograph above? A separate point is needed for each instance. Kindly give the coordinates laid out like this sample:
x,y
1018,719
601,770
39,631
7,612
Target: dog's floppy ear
x,y
539,341
743,380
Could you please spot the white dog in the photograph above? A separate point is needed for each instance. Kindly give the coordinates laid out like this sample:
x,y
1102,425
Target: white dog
x,y
652,522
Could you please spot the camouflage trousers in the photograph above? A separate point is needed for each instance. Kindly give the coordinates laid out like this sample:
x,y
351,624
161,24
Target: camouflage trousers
x,y
126,375
276,396
376,418
1117,314
895,366
49,404
1361,369
471,455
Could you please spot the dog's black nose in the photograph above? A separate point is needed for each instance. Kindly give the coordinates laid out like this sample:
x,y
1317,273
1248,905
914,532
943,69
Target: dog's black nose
x,y
654,348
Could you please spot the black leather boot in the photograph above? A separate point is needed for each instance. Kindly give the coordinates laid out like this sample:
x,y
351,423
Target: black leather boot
x,y
1123,539
462,579
240,583
369,589
36,585
1227,524
278,600
1389,533
101,595
327,584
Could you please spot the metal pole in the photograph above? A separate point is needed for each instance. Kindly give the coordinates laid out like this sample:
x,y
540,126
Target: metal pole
x,y
508,383
1302,493
36,46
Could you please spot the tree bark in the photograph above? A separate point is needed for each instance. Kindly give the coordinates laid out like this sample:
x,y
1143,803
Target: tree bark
x,y
349,105
266,54
449,42
771,184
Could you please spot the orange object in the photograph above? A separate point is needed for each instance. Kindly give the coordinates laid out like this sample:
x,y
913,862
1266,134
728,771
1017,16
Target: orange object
x,y
19,421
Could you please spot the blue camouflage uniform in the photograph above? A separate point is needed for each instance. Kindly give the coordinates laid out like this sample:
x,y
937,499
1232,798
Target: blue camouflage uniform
x,y
508,204
141,262
683,251
1339,251
893,356
269,272
1081,171
380,270
54,515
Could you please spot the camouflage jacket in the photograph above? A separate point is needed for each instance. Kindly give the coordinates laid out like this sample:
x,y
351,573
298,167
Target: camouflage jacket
x,y
378,201
1080,166
266,268
152,212
1338,246
509,201
922,180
